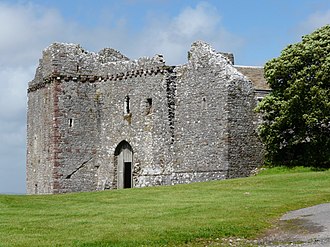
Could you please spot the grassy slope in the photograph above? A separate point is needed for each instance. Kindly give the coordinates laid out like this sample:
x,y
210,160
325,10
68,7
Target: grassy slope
x,y
159,215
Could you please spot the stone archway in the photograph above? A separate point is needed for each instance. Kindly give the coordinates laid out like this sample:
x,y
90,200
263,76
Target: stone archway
x,y
124,160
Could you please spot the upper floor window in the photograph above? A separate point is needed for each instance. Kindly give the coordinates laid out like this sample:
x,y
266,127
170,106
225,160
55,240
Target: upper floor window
x,y
127,105
149,106
70,122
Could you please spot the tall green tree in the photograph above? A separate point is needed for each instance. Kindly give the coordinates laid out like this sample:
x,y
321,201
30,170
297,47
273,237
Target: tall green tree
x,y
296,114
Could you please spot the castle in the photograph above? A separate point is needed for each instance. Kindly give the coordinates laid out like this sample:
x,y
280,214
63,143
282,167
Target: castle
x,y
101,121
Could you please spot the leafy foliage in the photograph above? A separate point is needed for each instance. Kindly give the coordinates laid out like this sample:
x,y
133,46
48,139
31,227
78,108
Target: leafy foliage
x,y
296,114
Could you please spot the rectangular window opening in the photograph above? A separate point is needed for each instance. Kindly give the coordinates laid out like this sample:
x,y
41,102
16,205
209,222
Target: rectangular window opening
x,y
204,105
126,105
70,122
149,106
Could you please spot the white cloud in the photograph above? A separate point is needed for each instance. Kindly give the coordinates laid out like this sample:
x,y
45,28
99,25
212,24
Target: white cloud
x,y
13,90
173,37
192,22
26,29
13,86
314,21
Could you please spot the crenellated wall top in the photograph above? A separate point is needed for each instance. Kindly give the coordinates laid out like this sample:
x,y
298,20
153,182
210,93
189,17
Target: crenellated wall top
x,y
61,60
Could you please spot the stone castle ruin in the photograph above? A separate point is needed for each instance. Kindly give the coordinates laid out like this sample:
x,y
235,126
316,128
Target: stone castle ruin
x,y
101,121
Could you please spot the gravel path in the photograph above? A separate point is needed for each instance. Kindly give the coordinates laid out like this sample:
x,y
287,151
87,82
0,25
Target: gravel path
x,y
307,227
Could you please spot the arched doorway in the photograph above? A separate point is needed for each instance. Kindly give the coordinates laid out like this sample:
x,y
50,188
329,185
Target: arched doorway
x,y
124,160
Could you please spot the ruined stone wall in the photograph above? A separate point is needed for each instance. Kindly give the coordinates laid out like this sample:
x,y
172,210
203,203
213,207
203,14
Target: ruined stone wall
x,y
42,129
244,147
145,127
182,124
41,141
215,126
89,121
201,117
64,120
79,125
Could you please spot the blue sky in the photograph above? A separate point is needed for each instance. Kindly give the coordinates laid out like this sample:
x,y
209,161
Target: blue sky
x,y
254,30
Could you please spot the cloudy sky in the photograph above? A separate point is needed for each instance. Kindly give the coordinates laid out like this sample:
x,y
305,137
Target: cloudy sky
x,y
254,30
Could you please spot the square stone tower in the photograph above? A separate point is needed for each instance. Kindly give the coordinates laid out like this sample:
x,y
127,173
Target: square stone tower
x,y
101,121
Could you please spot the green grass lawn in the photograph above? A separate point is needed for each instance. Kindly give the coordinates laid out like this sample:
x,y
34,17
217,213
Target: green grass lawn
x,y
158,216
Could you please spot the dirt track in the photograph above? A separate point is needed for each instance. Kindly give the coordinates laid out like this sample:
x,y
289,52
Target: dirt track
x,y
307,227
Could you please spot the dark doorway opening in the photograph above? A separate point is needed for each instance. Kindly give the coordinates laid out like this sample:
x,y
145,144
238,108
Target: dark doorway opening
x,y
124,164
127,175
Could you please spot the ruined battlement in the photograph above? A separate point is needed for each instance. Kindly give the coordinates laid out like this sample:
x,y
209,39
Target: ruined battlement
x,y
72,62
102,121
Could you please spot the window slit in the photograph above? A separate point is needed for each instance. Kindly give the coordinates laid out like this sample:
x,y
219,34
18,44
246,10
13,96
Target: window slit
x,y
70,122
127,105
149,106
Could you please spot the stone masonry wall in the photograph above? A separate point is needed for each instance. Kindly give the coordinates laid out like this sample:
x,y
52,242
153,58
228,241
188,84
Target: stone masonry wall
x,y
40,141
145,127
183,124
244,148
201,117
79,132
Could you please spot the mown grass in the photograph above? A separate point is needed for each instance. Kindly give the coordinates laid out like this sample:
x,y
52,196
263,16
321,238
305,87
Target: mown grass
x,y
159,216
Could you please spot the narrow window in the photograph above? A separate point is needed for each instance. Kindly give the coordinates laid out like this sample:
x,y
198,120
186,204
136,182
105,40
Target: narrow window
x,y
149,106
203,103
126,105
70,122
